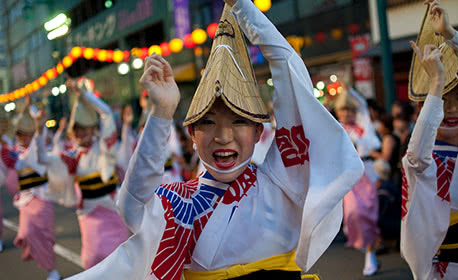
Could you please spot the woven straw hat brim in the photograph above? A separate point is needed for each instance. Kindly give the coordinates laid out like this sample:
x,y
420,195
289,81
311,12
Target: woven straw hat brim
x,y
83,115
229,75
419,80
25,123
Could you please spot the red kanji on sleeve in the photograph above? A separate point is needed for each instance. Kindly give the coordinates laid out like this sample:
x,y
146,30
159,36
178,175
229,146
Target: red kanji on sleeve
x,y
293,145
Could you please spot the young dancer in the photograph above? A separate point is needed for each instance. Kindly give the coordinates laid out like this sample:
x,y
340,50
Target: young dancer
x,y
429,228
237,219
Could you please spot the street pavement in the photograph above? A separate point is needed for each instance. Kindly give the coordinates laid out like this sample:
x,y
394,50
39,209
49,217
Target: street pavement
x,y
338,263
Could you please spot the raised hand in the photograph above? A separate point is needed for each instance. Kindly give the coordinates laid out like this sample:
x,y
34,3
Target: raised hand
x,y
159,83
431,60
39,119
439,19
62,124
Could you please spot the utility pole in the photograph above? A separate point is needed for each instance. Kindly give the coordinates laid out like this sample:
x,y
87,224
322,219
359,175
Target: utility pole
x,y
387,57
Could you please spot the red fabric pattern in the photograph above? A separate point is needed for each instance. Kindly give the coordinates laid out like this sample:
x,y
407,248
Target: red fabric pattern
x,y
441,268
444,176
293,145
405,194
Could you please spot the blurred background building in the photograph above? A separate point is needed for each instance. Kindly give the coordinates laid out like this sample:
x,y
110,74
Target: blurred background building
x,y
338,40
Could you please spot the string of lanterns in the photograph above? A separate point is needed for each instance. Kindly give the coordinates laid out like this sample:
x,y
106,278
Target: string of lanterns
x,y
176,45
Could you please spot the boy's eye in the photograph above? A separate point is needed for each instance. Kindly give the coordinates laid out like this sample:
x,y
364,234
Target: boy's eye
x,y
240,121
206,122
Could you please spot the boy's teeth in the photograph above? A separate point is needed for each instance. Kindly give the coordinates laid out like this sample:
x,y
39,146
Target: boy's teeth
x,y
224,154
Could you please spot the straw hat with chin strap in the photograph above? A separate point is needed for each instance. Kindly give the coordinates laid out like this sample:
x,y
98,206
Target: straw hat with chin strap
x,y
418,78
346,101
24,122
228,75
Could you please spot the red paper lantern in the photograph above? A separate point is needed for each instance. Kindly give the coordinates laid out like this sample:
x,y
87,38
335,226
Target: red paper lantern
x,y
320,37
211,30
165,48
353,28
126,56
109,56
188,42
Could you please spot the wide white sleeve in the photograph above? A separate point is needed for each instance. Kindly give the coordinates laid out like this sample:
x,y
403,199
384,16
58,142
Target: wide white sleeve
x,y
108,136
133,258
312,159
425,215
144,173
420,148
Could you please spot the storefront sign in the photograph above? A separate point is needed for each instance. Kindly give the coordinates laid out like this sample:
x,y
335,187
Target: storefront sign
x,y
124,18
182,19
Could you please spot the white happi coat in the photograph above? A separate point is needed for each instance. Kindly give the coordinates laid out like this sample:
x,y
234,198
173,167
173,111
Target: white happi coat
x,y
74,161
290,202
429,192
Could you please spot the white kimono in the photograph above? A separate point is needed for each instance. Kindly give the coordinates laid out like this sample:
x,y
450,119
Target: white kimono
x,y
429,193
290,202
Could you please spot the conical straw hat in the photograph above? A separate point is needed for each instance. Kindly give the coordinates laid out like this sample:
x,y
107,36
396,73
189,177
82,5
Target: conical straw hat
x,y
418,78
82,114
24,122
345,101
229,75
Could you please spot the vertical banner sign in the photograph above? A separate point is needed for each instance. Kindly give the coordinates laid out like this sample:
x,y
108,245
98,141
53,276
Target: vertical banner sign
x,y
182,20
362,67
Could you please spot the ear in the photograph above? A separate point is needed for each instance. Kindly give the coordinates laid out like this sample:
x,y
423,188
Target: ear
x,y
259,130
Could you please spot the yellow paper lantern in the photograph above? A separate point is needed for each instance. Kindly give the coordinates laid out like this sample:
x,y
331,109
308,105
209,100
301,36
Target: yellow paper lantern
x,y
59,68
337,33
35,86
199,36
67,61
29,88
154,49
308,41
42,81
263,5
102,55
76,52
176,45
88,53
118,56
51,74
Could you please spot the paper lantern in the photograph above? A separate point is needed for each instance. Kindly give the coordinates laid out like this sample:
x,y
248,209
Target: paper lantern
x,y
109,55
102,55
211,30
176,45
76,52
51,74
118,56
88,53
308,41
144,53
154,49
29,88
263,5
199,36
353,28
42,81
165,49
59,68
198,51
337,33
320,37
188,42
126,56
35,86
67,61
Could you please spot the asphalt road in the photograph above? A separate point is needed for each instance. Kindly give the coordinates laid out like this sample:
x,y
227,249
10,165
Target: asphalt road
x,y
338,263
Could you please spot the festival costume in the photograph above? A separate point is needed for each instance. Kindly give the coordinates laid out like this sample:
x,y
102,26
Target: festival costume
x,y
361,203
36,235
93,170
430,184
292,202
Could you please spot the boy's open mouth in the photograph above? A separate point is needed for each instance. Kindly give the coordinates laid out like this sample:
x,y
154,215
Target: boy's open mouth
x,y
225,158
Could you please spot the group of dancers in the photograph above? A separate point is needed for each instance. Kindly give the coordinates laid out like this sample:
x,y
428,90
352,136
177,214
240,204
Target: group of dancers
x,y
237,219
